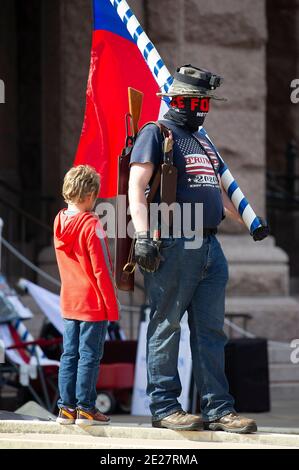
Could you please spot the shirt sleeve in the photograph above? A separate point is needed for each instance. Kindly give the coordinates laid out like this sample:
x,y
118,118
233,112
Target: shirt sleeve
x,y
103,270
148,146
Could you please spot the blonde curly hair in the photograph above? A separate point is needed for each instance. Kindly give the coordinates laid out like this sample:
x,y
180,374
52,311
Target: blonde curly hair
x,y
79,182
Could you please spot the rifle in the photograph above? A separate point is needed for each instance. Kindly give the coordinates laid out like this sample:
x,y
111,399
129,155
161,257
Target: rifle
x,y
165,178
124,273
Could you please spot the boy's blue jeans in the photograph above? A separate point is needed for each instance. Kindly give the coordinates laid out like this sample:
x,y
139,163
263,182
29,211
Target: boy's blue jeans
x,y
192,280
83,346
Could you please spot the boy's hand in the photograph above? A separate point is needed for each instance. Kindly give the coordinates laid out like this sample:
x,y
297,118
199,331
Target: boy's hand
x,y
147,253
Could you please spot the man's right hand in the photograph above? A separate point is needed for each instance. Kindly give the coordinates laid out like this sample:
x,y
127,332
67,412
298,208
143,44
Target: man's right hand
x,y
262,231
147,254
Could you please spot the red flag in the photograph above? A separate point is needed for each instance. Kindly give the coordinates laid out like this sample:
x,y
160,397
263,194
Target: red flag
x,y
116,64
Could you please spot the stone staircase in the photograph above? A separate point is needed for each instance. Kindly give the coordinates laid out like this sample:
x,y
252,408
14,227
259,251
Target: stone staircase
x,y
259,286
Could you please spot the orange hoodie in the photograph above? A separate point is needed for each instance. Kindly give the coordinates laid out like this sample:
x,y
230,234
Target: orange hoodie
x,y
85,267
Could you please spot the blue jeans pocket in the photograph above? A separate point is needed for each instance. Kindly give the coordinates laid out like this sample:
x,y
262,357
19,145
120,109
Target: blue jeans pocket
x,y
167,243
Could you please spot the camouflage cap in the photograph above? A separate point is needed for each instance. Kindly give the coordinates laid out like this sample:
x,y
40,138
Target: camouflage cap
x,y
191,81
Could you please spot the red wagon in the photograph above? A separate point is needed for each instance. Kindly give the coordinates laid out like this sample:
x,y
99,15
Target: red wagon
x,y
116,379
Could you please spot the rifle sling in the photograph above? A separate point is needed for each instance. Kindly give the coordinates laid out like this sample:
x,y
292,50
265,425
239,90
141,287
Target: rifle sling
x,y
167,158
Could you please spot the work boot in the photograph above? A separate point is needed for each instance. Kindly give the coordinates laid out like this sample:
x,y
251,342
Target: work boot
x,y
90,418
180,421
232,423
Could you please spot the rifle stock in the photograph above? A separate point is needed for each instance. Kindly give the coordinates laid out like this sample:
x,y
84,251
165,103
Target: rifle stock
x,y
125,279
135,106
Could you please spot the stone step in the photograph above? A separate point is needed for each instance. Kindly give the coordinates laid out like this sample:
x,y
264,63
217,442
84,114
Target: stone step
x,y
284,391
244,279
258,285
132,435
50,441
284,373
258,279
275,318
255,268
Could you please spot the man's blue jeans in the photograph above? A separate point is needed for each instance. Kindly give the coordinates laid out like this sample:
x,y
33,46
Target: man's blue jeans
x,y
192,280
83,346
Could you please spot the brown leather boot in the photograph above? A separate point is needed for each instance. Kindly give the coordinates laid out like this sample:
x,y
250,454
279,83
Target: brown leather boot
x,y
232,422
180,421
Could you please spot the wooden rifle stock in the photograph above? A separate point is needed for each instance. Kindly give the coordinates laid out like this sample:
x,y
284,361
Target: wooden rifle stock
x,y
125,277
135,106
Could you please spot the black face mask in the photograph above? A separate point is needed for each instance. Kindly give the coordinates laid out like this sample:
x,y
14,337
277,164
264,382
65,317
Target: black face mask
x,y
188,112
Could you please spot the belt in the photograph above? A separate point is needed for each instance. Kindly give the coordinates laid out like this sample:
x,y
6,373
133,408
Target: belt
x,y
209,231
205,233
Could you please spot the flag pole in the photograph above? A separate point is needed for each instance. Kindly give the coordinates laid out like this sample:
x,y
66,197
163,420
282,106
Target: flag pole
x,y
234,192
152,57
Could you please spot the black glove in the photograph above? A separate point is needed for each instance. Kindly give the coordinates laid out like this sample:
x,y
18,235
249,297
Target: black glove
x,y
147,254
261,232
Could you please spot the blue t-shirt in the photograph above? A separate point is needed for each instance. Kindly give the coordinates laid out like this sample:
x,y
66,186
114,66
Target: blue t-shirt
x,y
197,180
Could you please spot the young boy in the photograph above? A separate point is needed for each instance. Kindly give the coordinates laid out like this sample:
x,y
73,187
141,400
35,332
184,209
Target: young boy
x,y
88,298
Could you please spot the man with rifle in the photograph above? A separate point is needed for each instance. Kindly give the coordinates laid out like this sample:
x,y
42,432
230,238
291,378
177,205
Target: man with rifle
x,y
178,278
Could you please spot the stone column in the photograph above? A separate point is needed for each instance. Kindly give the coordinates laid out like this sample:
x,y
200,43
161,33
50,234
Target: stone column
x,y
76,32
66,54
51,98
229,38
283,119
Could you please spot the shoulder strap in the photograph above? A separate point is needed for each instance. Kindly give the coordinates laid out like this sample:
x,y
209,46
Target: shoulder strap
x,y
208,150
167,156
168,140
154,186
163,129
